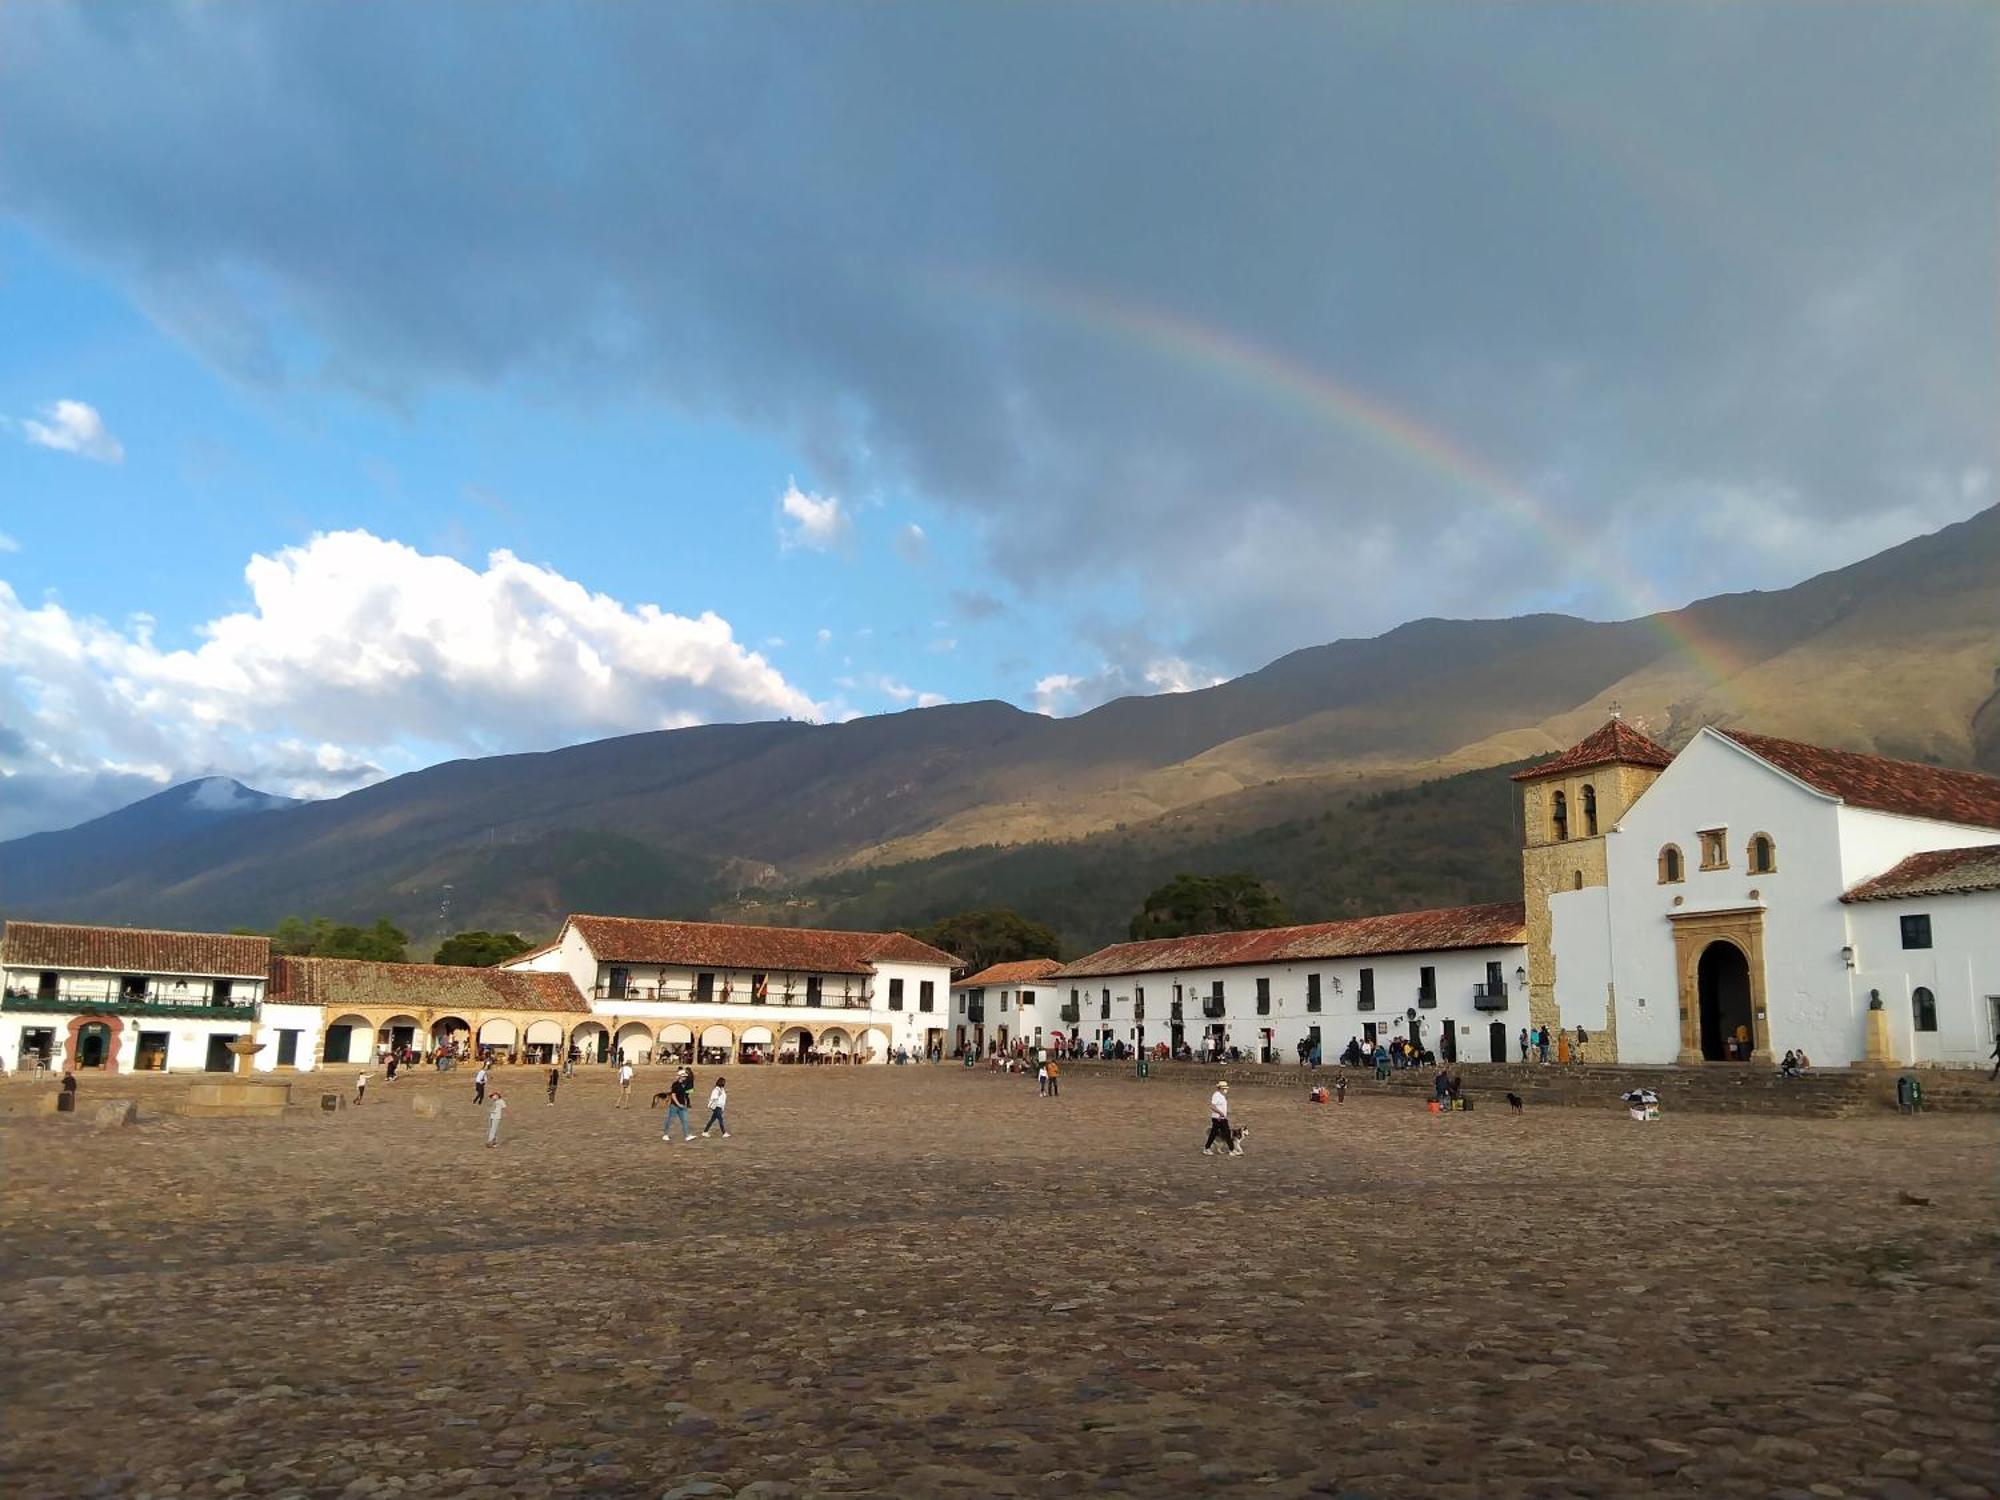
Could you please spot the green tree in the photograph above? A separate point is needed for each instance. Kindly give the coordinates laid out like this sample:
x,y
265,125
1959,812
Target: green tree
x,y
322,937
1190,904
480,948
994,936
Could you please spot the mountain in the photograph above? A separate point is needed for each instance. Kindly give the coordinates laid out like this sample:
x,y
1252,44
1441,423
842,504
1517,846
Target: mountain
x,y
883,818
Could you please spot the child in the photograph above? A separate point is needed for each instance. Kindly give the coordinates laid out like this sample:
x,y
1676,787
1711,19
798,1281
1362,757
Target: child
x,y
718,1100
493,1119
360,1088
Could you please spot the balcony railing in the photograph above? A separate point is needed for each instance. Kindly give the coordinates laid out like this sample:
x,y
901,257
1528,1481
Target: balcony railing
x,y
1214,1009
1071,1014
1427,999
1489,996
976,1014
116,1005
797,999
1365,1002
1174,1012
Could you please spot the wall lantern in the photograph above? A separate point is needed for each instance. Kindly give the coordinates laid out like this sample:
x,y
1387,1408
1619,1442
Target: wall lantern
x,y
1336,984
1847,954
1521,974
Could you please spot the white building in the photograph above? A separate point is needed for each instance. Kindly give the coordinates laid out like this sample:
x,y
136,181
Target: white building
x,y
1003,1004
1448,979
1754,902
123,999
741,993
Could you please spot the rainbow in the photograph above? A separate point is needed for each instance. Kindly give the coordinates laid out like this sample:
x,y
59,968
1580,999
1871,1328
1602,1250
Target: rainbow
x,y
1222,355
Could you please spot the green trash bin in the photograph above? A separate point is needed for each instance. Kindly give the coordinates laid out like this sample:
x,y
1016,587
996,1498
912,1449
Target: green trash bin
x,y
1145,1068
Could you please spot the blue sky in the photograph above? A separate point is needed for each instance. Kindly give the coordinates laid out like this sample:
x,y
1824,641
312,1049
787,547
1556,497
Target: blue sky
x,y
437,380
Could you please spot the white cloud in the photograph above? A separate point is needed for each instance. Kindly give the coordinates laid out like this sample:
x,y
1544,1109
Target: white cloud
x,y
818,523
74,427
354,650
822,636
911,544
8,544
1063,693
898,693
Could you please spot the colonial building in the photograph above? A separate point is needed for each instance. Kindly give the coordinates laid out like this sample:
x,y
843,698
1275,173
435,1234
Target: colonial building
x,y
359,1008
1003,1004
751,993
1747,897
1448,979
124,999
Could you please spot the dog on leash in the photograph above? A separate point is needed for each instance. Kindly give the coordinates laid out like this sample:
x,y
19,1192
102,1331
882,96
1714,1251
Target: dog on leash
x,y
662,1097
1514,1103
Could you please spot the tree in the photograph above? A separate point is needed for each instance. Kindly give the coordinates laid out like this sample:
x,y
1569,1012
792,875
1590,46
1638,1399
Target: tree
x,y
994,936
1190,904
480,948
323,938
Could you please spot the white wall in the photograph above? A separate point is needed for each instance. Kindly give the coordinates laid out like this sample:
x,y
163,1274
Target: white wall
x,y
309,1021
1813,1000
1580,935
1961,968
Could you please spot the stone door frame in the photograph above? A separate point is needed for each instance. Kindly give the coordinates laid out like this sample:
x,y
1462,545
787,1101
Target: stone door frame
x,y
1743,929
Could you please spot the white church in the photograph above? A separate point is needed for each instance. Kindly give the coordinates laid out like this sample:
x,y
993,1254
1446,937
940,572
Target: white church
x,y
1749,896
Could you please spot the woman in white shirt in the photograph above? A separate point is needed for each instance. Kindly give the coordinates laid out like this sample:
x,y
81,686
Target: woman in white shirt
x,y
718,1100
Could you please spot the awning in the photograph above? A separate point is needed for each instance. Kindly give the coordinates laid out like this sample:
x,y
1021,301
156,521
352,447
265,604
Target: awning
x,y
675,1033
718,1036
758,1036
498,1032
545,1032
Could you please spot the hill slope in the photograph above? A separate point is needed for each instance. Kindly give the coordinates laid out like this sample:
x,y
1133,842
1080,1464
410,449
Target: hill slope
x,y
1899,653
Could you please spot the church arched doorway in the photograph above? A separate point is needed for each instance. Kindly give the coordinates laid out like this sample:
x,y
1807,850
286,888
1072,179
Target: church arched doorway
x,y
1728,1028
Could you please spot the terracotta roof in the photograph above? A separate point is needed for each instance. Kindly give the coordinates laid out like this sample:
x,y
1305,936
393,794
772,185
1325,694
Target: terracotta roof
x,y
1495,925
1884,785
1021,971
728,945
133,950
1938,872
356,981
1617,743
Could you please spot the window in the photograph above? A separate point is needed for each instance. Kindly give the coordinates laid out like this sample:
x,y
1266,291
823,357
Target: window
x,y
1263,997
221,992
1763,855
1138,1003
1559,816
814,985
704,988
1427,985
1312,992
46,986
1589,812
1367,1000
895,994
1672,871
760,989
133,986
1104,1006
1714,848
1576,881
926,993
1924,1005
288,1049
1917,930
1003,1002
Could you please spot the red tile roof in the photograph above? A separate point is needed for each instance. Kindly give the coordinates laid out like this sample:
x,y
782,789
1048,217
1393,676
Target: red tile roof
x,y
1021,971
1617,743
354,981
1938,872
728,945
1884,785
133,950
1496,925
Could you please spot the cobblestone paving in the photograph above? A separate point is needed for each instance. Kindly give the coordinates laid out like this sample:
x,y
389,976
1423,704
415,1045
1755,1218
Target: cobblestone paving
x,y
928,1282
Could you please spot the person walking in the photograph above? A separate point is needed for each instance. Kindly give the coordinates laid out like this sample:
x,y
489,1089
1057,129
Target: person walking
x,y
555,1077
493,1115
361,1088
1055,1079
1576,1052
1218,1122
479,1085
392,1067
624,1083
1524,1044
718,1100
679,1094
1042,1080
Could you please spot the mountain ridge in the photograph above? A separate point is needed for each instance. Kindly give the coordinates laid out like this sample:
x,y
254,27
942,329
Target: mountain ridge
x,y
1898,653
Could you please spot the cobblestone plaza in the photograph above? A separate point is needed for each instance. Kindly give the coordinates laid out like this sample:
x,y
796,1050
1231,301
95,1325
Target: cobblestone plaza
x,y
930,1282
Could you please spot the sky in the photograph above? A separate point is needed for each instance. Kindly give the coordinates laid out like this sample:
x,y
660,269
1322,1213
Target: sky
x,y
386,384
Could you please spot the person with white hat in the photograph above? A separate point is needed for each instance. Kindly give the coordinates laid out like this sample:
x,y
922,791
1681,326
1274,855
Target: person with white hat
x,y
1218,1123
